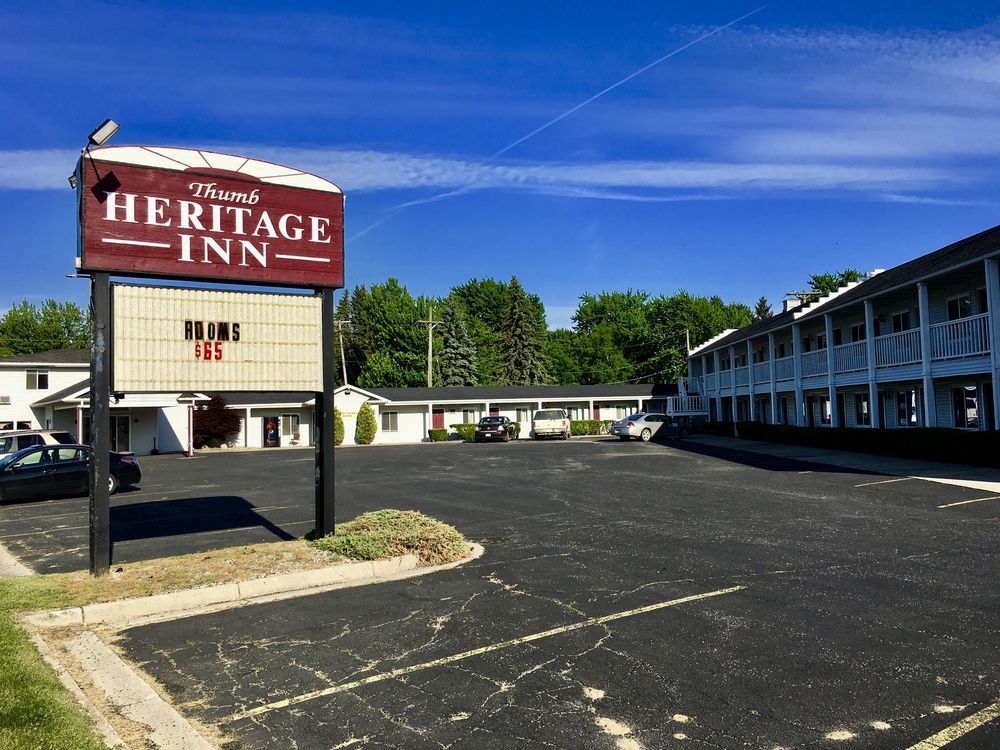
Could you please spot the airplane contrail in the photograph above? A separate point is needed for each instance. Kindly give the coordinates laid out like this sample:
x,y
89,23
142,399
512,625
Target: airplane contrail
x,y
558,118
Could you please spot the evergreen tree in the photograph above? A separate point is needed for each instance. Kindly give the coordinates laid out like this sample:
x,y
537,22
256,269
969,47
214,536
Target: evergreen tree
x,y
457,361
366,426
762,310
338,427
522,340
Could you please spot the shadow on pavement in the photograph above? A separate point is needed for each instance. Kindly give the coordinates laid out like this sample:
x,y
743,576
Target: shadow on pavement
x,y
764,460
190,515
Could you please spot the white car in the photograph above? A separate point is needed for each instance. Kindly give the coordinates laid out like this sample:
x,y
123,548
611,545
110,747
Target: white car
x,y
647,426
550,423
15,440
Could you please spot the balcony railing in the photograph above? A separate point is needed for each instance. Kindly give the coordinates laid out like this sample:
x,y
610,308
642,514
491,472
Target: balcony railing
x,y
961,338
784,368
850,357
686,405
742,376
711,382
762,372
897,348
814,363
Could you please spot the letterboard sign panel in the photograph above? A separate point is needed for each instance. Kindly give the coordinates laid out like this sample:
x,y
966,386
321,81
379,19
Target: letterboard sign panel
x,y
167,339
192,214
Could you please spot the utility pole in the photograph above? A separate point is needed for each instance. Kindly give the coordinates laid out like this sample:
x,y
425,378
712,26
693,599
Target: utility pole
x,y
339,326
430,345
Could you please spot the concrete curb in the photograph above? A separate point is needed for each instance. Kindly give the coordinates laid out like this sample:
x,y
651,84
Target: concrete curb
x,y
227,595
10,566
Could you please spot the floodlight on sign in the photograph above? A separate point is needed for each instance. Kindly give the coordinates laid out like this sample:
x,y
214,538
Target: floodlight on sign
x,y
103,133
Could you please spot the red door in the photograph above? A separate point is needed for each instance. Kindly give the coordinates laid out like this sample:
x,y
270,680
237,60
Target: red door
x,y
597,413
438,419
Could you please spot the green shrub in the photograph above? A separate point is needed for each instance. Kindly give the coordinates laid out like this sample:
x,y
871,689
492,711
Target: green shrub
x,y
366,427
465,431
439,435
386,533
517,428
338,427
590,426
927,443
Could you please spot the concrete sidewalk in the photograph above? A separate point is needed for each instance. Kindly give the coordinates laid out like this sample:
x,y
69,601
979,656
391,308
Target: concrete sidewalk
x,y
960,475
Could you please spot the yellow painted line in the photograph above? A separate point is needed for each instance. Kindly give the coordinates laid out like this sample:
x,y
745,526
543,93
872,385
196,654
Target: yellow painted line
x,y
884,481
962,728
333,689
966,502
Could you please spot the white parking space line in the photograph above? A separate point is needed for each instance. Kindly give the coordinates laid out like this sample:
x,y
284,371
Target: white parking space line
x,y
333,689
956,731
966,502
884,481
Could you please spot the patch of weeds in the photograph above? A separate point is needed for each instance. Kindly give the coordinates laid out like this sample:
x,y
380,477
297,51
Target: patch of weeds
x,y
387,533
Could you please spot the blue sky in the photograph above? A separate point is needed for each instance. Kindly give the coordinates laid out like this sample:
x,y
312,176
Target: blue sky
x,y
808,137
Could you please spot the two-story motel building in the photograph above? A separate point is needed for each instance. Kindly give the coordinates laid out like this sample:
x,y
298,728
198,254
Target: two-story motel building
x,y
916,345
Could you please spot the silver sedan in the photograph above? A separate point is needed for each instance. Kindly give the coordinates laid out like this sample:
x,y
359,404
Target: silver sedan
x,y
646,426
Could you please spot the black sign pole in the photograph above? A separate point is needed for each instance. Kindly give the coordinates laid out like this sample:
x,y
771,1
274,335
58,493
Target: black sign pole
x,y
100,423
325,424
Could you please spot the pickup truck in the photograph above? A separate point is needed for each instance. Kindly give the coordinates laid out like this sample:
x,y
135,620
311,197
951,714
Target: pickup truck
x,y
550,423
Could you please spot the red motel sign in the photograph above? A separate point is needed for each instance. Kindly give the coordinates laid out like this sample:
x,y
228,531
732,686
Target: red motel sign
x,y
193,214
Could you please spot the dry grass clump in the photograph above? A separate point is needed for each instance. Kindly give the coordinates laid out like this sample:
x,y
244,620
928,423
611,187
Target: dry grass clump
x,y
386,533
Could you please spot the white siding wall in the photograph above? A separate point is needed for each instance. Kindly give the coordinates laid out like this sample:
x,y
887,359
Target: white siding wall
x,y
412,423
13,383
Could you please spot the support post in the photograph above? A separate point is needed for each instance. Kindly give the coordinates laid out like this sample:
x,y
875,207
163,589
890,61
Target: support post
x,y
750,368
100,423
874,407
993,306
797,365
732,382
930,403
324,523
774,382
830,374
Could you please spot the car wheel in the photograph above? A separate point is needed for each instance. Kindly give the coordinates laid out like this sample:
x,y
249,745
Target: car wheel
x,y
645,435
112,484
623,437
565,436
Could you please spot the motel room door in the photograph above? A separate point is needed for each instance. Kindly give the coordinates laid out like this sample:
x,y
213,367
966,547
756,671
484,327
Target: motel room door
x,y
437,419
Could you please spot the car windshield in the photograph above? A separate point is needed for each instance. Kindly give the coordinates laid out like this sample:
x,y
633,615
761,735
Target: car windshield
x,y
550,414
491,420
636,416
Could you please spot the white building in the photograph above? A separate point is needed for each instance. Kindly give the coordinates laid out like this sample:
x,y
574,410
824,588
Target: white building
x,y
917,345
51,390
405,415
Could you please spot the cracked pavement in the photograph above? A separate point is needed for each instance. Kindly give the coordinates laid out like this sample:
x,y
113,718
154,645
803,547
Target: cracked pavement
x,y
869,618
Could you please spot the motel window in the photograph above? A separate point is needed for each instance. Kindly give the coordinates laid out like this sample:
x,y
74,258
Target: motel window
x,y
782,411
838,337
825,413
289,424
981,300
862,414
523,415
960,307
821,341
38,380
390,421
906,408
781,350
577,412
965,404
858,332
724,363
901,321
469,416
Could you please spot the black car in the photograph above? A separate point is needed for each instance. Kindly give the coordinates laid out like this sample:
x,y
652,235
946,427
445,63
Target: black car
x,y
59,470
495,428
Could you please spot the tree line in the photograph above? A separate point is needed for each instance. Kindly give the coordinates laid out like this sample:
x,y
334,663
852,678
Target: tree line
x,y
483,332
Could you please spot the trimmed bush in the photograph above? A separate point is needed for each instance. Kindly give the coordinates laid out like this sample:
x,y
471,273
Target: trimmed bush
x,y
465,431
517,428
590,426
365,432
338,427
927,443
439,435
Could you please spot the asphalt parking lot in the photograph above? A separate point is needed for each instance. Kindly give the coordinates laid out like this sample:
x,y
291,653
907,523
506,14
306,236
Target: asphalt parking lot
x,y
631,596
